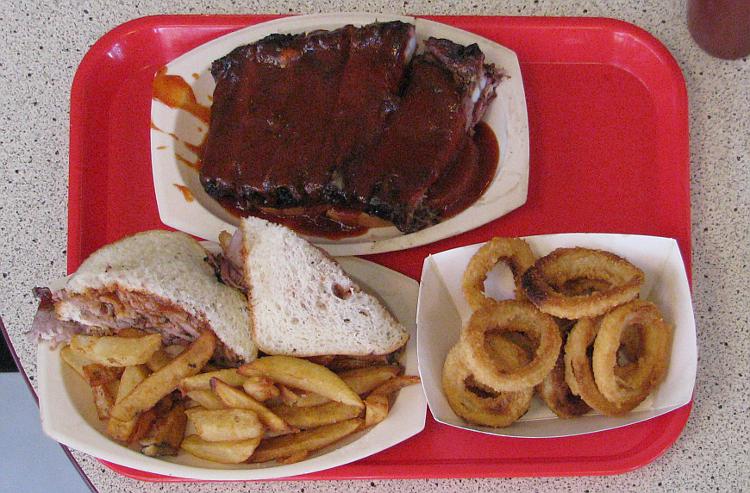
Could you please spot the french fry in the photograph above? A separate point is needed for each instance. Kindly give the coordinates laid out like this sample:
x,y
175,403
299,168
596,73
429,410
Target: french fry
x,y
302,374
143,424
293,459
260,388
237,399
97,374
287,395
364,380
202,381
312,417
377,404
229,452
376,409
103,400
165,380
395,384
225,424
360,380
75,359
131,377
166,434
206,399
121,430
158,360
117,351
305,441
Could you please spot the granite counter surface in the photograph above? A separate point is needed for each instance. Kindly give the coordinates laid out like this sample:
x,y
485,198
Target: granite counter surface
x,y
42,42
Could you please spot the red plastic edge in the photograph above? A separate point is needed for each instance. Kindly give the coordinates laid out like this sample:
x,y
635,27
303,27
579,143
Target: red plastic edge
x,y
677,418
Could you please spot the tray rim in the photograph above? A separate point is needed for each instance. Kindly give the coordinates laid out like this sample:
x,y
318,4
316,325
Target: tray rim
x,y
677,418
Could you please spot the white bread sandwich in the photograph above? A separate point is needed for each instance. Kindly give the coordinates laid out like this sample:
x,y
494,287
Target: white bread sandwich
x,y
157,281
301,302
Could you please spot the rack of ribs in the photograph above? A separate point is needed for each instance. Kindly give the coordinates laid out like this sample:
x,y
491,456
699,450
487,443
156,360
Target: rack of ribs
x,y
347,118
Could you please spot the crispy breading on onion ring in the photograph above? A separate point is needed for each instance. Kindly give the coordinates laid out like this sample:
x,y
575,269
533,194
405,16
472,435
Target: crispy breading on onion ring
x,y
510,316
650,367
477,403
556,393
580,376
565,264
515,252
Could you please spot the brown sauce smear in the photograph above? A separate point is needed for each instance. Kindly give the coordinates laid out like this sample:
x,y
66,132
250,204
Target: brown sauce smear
x,y
185,192
175,92
467,179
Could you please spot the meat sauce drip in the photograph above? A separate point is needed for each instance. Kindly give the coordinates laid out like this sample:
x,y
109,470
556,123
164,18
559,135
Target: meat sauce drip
x,y
175,92
468,178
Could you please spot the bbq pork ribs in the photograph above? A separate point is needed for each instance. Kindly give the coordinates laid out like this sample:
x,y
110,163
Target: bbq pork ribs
x,y
348,118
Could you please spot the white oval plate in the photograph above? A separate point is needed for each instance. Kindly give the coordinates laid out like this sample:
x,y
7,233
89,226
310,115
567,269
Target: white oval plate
x,y
205,218
69,416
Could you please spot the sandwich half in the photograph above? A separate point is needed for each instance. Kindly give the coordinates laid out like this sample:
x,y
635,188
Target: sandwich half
x,y
301,302
157,281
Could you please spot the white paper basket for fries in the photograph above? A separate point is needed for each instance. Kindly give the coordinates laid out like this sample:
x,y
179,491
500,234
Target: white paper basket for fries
x,y
442,311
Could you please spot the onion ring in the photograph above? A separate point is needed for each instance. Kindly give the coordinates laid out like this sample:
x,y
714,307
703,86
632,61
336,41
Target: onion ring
x,y
650,367
556,393
510,316
476,404
565,264
515,252
579,375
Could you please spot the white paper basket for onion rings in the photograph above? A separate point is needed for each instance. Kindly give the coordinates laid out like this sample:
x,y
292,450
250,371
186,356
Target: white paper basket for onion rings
x,y
442,311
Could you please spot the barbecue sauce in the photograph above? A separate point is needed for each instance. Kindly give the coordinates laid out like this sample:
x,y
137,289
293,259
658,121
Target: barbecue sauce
x,y
175,92
457,189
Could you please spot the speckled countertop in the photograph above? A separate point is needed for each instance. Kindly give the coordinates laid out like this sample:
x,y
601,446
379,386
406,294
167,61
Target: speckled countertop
x,y
42,43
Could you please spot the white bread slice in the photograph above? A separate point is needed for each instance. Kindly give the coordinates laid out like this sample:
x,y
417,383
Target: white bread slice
x,y
303,304
166,266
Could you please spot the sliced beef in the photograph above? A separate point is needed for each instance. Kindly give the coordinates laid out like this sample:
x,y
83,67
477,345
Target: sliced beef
x,y
448,88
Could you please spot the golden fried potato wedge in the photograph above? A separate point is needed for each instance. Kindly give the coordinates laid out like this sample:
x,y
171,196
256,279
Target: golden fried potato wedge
x,y
287,395
376,409
365,380
121,430
260,388
166,434
237,399
360,380
229,452
305,441
158,360
143,425
97,374
202,381
117,351
302,374
103,400
131,377
206,399
75,359
225,424
312,417
395,384
166,379
293,459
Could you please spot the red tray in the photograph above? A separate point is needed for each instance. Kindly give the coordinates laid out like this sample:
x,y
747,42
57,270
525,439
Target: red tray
x,y
609,153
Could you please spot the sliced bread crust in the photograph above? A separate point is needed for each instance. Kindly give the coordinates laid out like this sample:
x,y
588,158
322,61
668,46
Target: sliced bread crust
x,y
171,266
303,304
